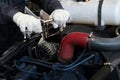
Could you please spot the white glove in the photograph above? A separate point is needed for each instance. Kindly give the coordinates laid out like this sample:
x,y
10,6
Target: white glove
x,y
60,17
27,21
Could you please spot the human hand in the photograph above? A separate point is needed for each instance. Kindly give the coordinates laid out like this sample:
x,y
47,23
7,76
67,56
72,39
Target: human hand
x,y
27,21
60,17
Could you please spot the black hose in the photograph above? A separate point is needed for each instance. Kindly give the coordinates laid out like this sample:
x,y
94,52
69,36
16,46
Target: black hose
x,y
102,73
106,70
14,50
104,44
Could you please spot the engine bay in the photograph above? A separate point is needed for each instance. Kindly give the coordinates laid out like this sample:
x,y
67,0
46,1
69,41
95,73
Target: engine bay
x,y
34,60
82,51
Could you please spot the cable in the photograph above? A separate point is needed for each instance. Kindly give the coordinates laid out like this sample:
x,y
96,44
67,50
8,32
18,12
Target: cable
x,y
15,63
37,62
82,54
69,68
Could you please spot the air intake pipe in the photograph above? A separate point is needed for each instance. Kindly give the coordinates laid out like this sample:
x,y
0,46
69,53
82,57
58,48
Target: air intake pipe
x,y
84,41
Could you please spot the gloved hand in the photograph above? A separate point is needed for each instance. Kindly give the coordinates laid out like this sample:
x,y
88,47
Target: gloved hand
x,y
60,17
27,21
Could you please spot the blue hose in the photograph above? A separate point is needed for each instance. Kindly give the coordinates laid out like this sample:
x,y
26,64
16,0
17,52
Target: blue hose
x,y
72,67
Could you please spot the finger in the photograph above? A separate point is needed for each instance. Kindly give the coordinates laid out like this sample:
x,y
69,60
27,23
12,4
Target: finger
x,y
55,25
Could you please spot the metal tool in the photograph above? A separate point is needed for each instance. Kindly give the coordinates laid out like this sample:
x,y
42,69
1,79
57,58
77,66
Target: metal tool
x,y
46,28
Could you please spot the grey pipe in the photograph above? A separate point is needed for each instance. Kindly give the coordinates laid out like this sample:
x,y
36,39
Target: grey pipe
x,y
104,44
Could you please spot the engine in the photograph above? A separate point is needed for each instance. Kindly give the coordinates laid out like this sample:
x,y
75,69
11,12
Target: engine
x,y
80,52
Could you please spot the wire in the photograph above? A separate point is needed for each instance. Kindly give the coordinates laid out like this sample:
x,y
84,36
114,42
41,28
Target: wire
x,y
79,63
37,62
82,54
15,63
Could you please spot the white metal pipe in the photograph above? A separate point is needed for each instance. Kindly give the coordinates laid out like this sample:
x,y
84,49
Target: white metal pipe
x,y
87,12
